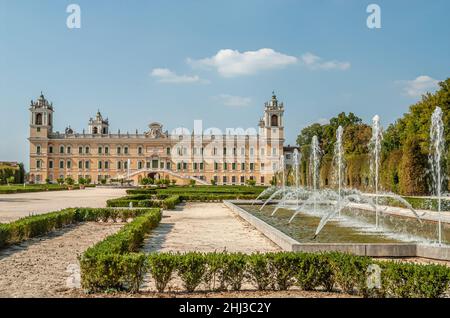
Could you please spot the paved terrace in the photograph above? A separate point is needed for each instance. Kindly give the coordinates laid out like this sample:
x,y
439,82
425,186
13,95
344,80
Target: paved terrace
x,y
15,206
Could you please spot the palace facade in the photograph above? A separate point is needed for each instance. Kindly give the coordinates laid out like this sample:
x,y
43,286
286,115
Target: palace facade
x,y
230,157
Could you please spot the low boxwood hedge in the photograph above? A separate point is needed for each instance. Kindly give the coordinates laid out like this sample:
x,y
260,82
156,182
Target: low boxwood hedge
x,y
114,262
37,225
331,271
165,202
37,188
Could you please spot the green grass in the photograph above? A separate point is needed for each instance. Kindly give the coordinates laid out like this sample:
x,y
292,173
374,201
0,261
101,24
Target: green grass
x,y
20,188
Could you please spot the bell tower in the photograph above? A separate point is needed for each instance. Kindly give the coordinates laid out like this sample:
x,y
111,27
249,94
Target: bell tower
x,y
41,121
273,121
98,125
271,128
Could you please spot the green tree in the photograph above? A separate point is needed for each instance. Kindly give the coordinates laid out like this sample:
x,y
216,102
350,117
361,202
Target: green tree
x,y
412,169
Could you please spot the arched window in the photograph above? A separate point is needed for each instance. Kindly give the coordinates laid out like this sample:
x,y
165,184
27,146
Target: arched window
x,y
61,149
95,130
50,119
38,119
274,120
38,150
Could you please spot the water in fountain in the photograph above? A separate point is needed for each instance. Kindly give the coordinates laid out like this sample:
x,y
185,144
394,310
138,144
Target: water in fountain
x,y
375,147
437,149
314,161
266,193
338,161
279,192
282,169
296,169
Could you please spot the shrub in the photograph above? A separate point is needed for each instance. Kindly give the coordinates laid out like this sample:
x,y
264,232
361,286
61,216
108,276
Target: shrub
x,y
350,271
141,191
215,272
258,271
234,270
314,270
414,280
112,263
170,202
191,269
283,266
192,182
37,225
161,267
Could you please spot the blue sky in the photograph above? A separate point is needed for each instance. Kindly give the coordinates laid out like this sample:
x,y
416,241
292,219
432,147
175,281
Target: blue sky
x,y
176,61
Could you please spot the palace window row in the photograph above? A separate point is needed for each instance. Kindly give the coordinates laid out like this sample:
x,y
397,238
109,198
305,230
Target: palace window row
x,y
154,164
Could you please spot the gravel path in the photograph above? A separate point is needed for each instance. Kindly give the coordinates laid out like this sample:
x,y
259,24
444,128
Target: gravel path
x,y
206,227
15,206
48,266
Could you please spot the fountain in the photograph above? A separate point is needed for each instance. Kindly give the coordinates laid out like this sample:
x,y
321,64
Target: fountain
x,y
338,161
296,170
314,161
324,205
375,147
437,148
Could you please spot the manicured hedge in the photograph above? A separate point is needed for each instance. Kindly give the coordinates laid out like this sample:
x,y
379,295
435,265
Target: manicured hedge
x,y
271,271
37,188
198,189
113,263
165,202
37,225
421,203
141,191
212,189
206,197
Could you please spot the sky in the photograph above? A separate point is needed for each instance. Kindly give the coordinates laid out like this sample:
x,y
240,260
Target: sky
x,y
218,61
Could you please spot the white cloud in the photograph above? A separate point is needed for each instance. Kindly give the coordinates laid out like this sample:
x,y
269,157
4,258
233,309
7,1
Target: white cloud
x,y
315,62
420,85
233,101
230,63
323,121
164,75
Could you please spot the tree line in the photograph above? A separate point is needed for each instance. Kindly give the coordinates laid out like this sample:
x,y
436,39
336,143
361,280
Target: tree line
x,y
405,148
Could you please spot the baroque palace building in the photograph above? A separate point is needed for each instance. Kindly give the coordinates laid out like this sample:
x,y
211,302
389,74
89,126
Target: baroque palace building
x,y
230,158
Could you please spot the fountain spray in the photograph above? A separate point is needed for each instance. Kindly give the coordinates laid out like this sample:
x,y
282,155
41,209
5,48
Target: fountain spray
x,y
314,165
437,148
282,168
375,146
338,160
296,159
